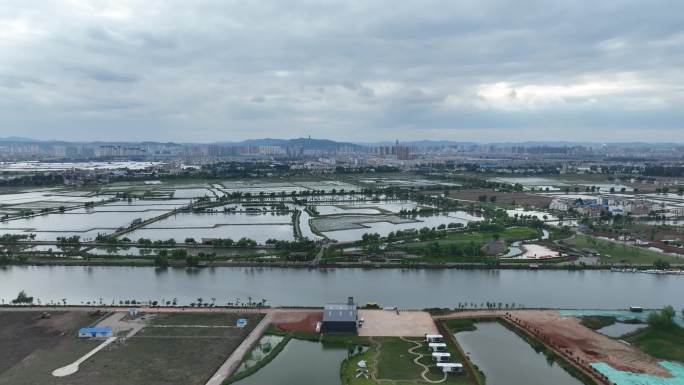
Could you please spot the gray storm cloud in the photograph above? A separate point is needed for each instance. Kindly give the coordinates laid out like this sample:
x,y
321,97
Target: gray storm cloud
x,y
352,70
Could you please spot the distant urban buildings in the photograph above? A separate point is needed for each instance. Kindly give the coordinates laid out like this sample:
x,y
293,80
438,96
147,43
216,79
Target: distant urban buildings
x,y
594,206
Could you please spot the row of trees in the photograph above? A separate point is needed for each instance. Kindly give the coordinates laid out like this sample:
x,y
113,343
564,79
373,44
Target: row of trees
x,y
488,305
304,244
24,299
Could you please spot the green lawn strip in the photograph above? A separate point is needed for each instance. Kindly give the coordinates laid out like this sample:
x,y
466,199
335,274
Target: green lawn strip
x,y
597,322
461,325
613,252
664,343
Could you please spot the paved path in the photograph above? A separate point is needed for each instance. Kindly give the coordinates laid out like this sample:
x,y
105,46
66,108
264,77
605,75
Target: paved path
x,y
426,369
238,355
484,313
73,367
119,325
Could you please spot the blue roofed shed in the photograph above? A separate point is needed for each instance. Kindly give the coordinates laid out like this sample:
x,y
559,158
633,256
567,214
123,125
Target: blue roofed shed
x,y
104,332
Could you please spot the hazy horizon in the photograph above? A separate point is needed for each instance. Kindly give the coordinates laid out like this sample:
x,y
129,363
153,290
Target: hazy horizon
x,y
209,71
20,139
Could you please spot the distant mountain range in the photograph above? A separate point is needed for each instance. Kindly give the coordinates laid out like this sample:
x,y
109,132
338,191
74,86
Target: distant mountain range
x,y
306,143
327,144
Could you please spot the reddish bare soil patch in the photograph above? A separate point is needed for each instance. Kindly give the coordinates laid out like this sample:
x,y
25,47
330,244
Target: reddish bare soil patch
x,y
298,322
583,345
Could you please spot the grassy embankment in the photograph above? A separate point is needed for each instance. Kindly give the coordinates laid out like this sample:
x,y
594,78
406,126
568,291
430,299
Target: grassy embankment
x,y
597,322
665,343
621,254
470,242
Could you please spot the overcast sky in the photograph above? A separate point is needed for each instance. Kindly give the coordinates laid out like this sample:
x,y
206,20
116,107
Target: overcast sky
x,y
363,70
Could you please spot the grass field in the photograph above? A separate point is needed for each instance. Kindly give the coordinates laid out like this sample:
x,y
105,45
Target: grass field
x,y
479,237
597,322
615,253
509,234
666,344
395,362
180,348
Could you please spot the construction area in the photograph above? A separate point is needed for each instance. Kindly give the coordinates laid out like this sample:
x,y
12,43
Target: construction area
x,y
603,359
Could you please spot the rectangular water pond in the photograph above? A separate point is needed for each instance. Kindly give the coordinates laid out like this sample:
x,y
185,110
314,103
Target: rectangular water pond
x,y
301,362
260,232
507,359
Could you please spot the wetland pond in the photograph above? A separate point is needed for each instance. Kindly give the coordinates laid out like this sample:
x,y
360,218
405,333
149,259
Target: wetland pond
x,y
301,362
507,359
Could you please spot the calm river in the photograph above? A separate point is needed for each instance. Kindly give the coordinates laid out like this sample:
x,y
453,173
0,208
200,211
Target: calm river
x,y
406,288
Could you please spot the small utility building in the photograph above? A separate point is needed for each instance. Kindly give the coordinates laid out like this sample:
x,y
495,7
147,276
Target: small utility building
x,y
433,338
450,367
95,332
340,317
441,357
439,347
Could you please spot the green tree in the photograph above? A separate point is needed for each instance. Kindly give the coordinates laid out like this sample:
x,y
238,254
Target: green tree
x,y
179,254
661,319
22,298
161,261
192,260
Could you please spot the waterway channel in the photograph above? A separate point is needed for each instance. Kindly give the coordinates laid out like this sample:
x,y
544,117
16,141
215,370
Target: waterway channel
x,y
405,288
